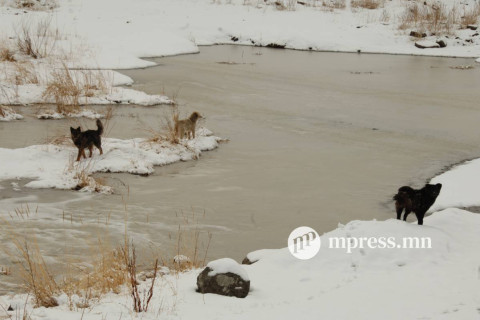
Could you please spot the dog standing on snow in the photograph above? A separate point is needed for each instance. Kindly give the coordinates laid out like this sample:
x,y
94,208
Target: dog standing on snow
x,y
87,139
418,201
186,126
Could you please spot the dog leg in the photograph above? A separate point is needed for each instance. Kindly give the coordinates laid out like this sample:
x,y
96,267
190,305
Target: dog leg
x,y
420,216
79,154
405,215
399,209
90,149
83,153
99,146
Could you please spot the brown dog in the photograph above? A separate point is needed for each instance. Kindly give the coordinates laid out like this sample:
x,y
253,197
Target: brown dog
x,y
186,126
87,139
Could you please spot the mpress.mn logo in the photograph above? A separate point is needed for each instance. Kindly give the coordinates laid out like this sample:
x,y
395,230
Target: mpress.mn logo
x,y
304,243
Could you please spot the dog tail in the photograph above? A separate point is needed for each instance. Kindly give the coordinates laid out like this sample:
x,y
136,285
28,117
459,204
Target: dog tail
x,y
99,127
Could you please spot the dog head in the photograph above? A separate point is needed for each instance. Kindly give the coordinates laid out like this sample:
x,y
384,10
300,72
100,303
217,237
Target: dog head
x,y
75,132
433,190
195,116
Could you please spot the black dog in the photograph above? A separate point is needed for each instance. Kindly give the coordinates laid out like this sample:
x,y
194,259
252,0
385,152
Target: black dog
x,y
87,139
418,201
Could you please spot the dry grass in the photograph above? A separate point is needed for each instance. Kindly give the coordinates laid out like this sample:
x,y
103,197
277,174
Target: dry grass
x,y
38,5
436,19
167,129
36,40
33,271
24,73
333,4
470,16
6,54
192,244
367,4
106,273
64,89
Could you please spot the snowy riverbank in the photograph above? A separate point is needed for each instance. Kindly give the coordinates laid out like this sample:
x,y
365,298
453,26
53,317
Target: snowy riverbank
x,y
436,283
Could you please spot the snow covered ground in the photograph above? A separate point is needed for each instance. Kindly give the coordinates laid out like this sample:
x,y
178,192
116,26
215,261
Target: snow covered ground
x,y
54,166
437,283
111,34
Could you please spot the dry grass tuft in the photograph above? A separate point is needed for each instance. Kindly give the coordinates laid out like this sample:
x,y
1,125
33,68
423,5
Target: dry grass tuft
x,y
106,274
436,18
192,244
64,90
367,4
33,271
38,5
6,55
66,87
333,4
167,131
38,40
24,73
471,16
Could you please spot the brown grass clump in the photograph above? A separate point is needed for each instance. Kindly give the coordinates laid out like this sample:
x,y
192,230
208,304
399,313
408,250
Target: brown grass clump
x,y
24,73
106,274
367,4
64,89
471,16
6,55
34,272
38,5
167,129
436,18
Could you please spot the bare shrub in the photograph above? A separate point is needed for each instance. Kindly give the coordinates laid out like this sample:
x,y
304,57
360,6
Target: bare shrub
x,y
367,4
140,301
36,40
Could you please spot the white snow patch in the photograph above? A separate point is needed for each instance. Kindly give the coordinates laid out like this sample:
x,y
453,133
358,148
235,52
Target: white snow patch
x,y
227,265
460,186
